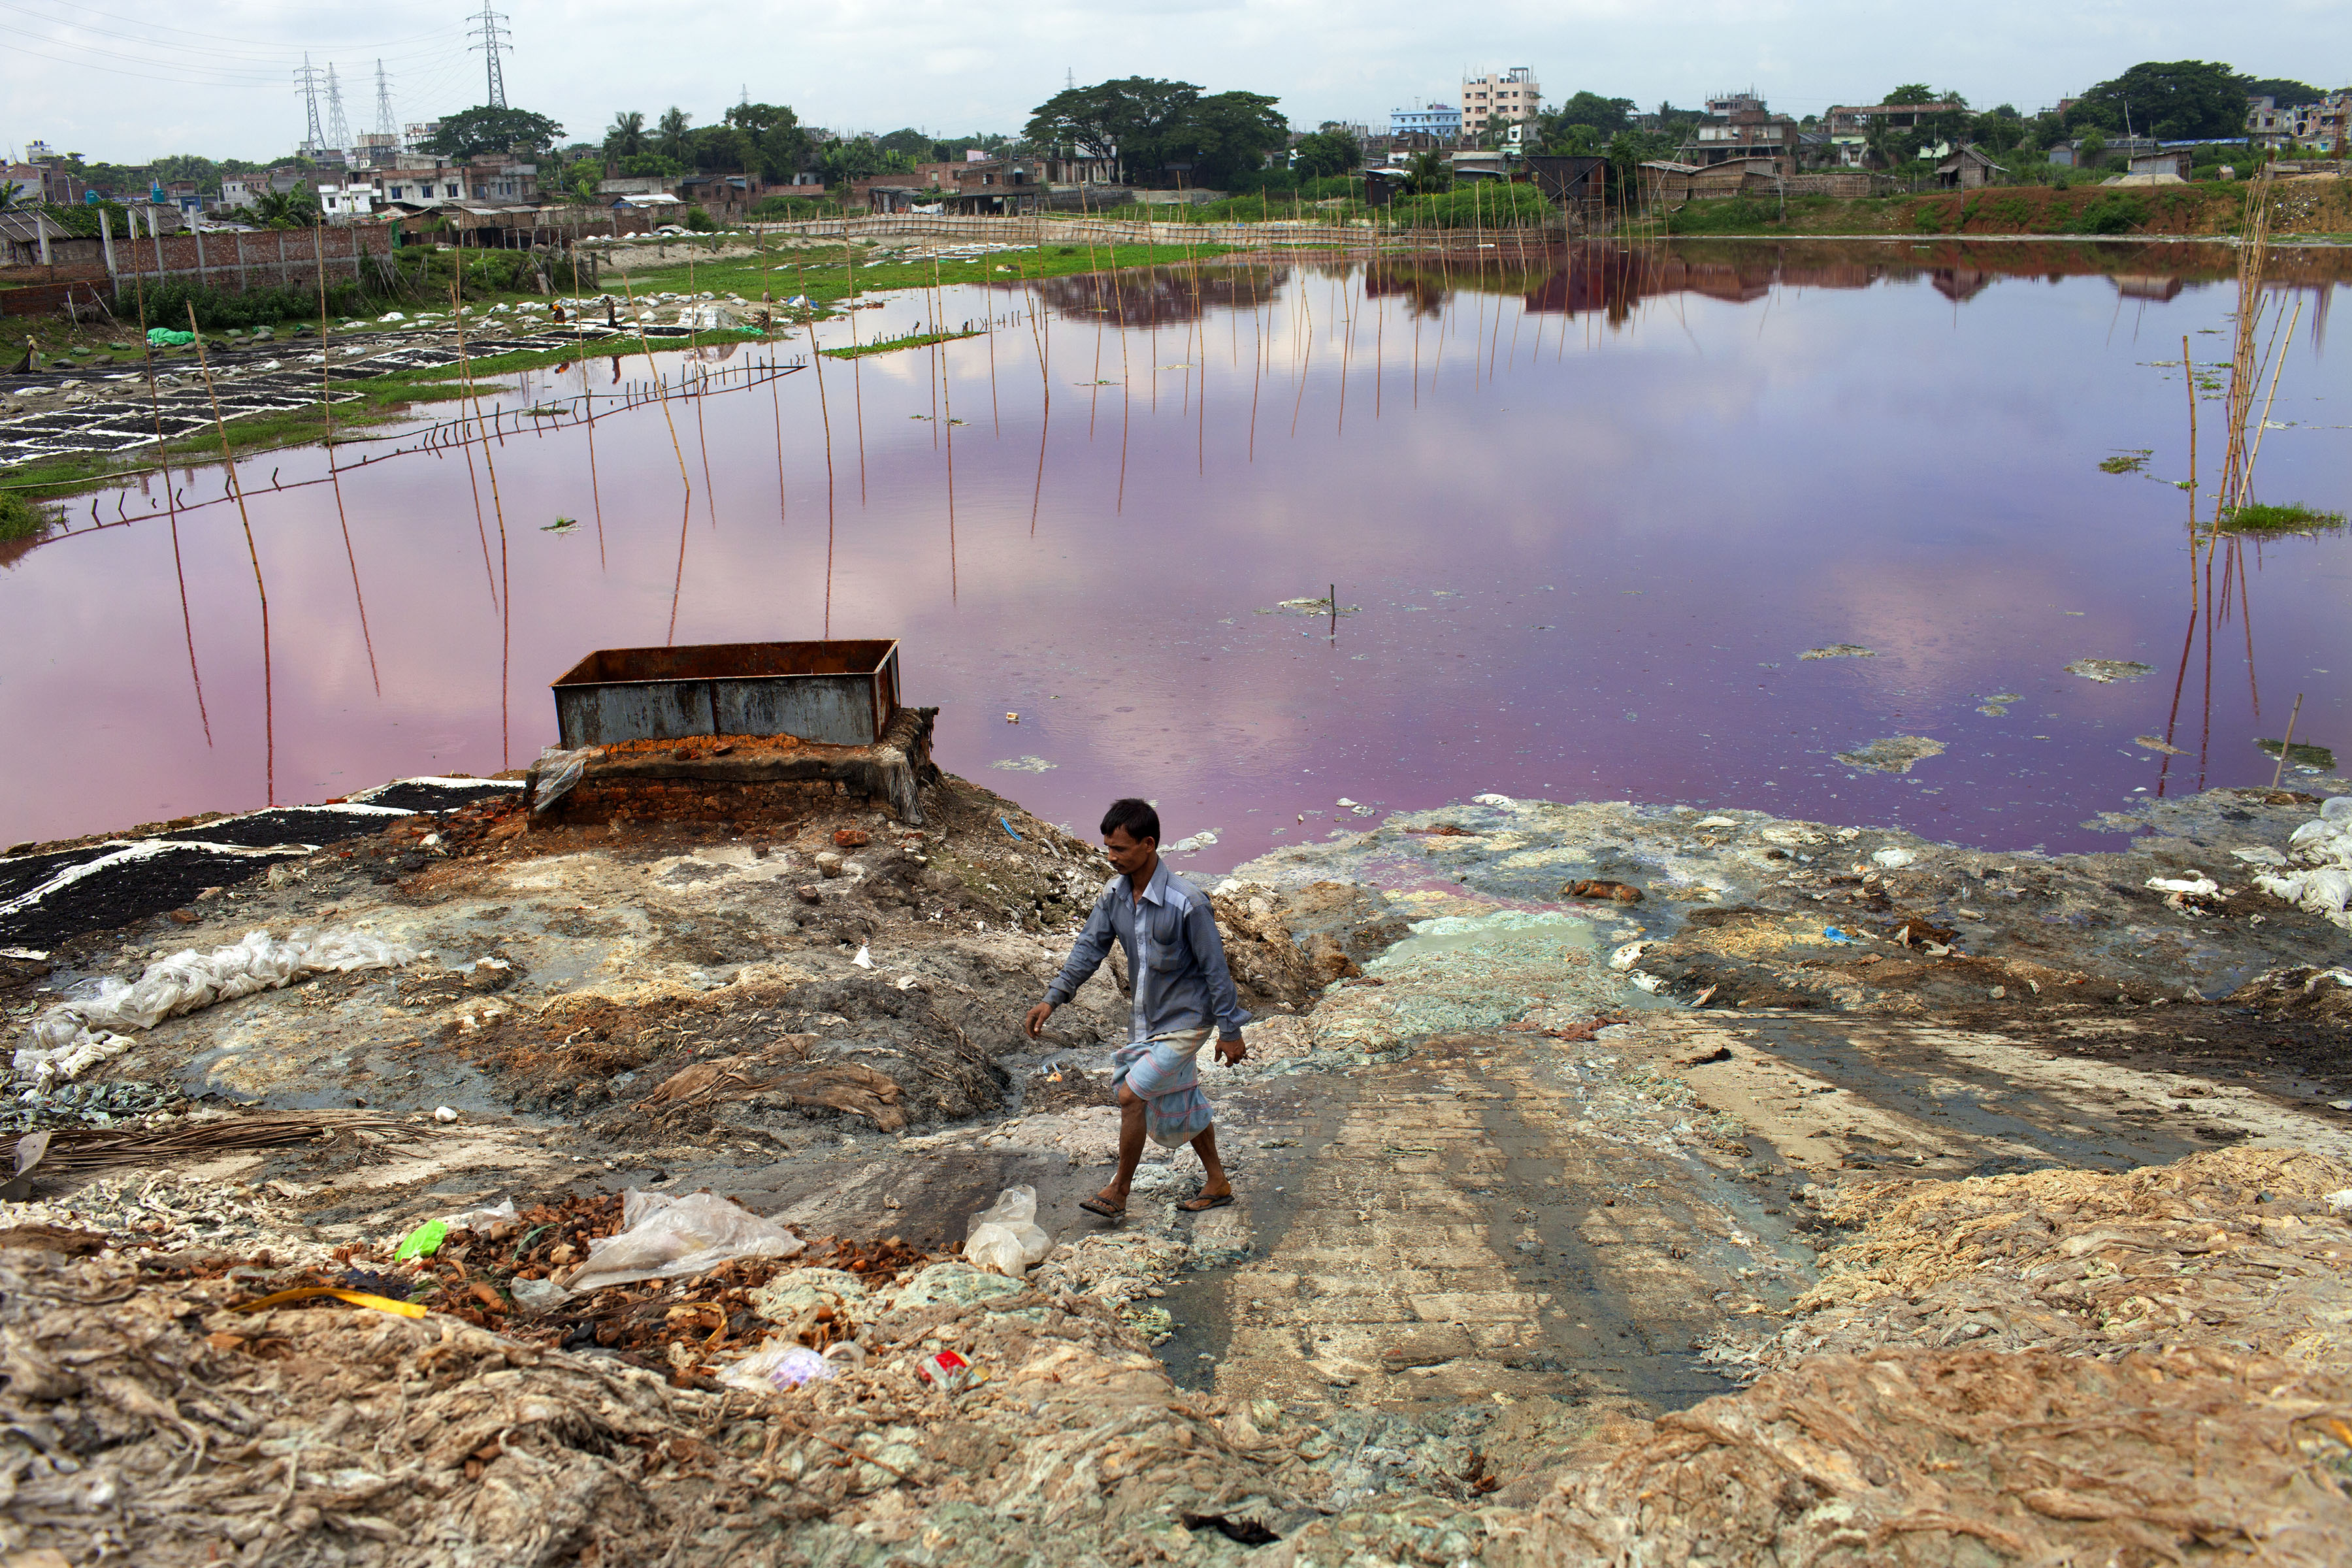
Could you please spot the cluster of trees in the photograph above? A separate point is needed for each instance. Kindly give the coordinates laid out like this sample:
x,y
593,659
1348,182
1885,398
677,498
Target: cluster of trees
x,y
1163,131
767,138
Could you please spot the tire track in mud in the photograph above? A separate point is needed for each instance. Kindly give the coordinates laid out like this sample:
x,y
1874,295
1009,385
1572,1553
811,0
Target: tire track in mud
x,y
1469,1224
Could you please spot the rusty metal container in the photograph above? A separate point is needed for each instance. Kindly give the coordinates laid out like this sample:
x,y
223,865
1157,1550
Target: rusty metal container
x,y
839,693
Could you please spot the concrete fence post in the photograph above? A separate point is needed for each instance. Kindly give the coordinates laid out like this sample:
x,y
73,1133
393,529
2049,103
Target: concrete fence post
x,y
202,275
41,234
105,238
284,278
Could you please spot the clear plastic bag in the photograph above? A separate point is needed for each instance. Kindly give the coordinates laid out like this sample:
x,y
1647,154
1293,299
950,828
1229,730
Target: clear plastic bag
x,y
556,771
774,1367
669,1238
1006,1236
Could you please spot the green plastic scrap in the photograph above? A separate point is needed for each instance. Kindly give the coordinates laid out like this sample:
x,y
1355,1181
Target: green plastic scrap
x,y
423,1242
165,338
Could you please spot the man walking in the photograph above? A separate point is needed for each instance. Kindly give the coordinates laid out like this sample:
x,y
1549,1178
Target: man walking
x,y
1181,991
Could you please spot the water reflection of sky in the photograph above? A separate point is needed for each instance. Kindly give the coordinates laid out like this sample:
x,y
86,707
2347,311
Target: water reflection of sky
x,y
1590,517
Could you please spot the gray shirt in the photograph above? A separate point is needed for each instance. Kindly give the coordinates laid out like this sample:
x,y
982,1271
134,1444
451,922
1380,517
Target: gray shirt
x,y
1173,953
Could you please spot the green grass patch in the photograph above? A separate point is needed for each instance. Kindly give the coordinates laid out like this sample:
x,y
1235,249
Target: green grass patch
x,y
21,517
2288,518
892,346
1743,214
819,273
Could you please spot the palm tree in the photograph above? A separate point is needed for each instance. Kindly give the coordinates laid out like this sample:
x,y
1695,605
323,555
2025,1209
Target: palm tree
x,y
672,130
626,139
9,192
1431,173
285,209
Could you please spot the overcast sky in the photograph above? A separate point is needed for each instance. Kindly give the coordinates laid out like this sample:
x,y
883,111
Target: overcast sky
x,y
136,78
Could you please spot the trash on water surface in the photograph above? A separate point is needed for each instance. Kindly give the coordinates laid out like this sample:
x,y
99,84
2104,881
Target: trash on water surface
x,y
1024,765
1894,754
1006,1236
2108,670
1840,650
776,1367
2300,755
2153,744
668,1237
1199,840
1996,705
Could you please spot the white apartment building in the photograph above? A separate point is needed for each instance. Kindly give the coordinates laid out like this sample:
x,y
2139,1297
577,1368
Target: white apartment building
x,y
1502,98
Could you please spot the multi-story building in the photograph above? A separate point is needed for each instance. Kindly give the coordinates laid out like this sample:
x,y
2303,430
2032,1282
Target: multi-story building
x,y
2267,124
1440,123
1498,98
2323,125
1851,127
1740,126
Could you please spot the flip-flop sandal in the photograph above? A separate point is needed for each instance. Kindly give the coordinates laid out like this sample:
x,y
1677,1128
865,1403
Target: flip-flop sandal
x,y
1202,1202
1096,1206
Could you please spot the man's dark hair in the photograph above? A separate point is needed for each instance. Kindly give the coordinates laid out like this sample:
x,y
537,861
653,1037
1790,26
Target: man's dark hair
x,y
1136,815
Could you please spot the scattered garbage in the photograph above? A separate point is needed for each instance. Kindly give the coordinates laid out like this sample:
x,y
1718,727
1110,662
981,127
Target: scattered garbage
x,y
1024,766
865,959
1894,859
554,774
1006,1236
165,338
1840,650
502,1213
1894,754
1594,888
1629,954
423,1242
665,1238
1834,934
442,1113
1009,831
2156,744
1197,842
2108,670
79,1032
1996,705
944,1371
776,1367
2324,846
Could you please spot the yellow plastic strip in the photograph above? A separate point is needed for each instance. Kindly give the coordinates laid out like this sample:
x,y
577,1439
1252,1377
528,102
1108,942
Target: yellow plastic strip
x,y
356,1298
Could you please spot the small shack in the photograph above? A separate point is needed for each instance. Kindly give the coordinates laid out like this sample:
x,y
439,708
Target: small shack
x,y
1968,170
735,731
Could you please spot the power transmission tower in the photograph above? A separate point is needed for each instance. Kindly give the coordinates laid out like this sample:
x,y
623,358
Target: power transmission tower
x,y
306,77
492,40
385,125
339,128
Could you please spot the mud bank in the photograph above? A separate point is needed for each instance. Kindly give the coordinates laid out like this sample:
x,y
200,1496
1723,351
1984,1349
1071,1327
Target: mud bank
x,y
1618,1184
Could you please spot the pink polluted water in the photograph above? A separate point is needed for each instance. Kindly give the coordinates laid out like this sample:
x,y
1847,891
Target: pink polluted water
x,y
1586,511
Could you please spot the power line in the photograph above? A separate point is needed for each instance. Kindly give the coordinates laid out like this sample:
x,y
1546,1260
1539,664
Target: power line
x,y
493,42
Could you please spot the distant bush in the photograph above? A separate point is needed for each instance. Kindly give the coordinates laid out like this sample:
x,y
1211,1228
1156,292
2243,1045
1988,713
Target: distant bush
x,y
700,221
168,302
788,209
2118,212
1480,204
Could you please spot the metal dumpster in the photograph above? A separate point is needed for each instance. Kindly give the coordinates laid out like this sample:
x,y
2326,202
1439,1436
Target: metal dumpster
x,y
840,693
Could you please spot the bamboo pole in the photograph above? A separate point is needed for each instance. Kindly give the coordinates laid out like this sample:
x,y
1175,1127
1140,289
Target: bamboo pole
x,y
171,498
506,583
253,555
824,414
2286,744
327,408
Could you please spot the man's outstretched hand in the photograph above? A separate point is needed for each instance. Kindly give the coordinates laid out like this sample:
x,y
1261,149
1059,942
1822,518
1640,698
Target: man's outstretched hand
x,y
1037,1016
1231,1052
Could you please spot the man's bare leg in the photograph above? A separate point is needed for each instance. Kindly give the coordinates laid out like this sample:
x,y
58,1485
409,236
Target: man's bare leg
x,y
1213,1183
1130,1148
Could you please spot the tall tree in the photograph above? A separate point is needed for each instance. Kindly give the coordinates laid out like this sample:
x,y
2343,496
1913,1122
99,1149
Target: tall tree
x,y
773,142
1325,152
1603,117
489,129
1229,133
627,138
1132,120
2175,100
669,134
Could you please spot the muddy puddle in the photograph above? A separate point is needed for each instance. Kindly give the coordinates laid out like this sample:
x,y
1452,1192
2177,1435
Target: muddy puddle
x,y
1543,485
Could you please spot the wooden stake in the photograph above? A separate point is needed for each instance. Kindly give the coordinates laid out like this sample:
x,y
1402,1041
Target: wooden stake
x,y
2287,745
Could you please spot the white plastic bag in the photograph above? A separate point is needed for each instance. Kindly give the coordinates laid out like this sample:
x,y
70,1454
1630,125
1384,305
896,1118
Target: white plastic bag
x,y
668,1238
775,1366
73,1035
1006,1236
557,770
483,1219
